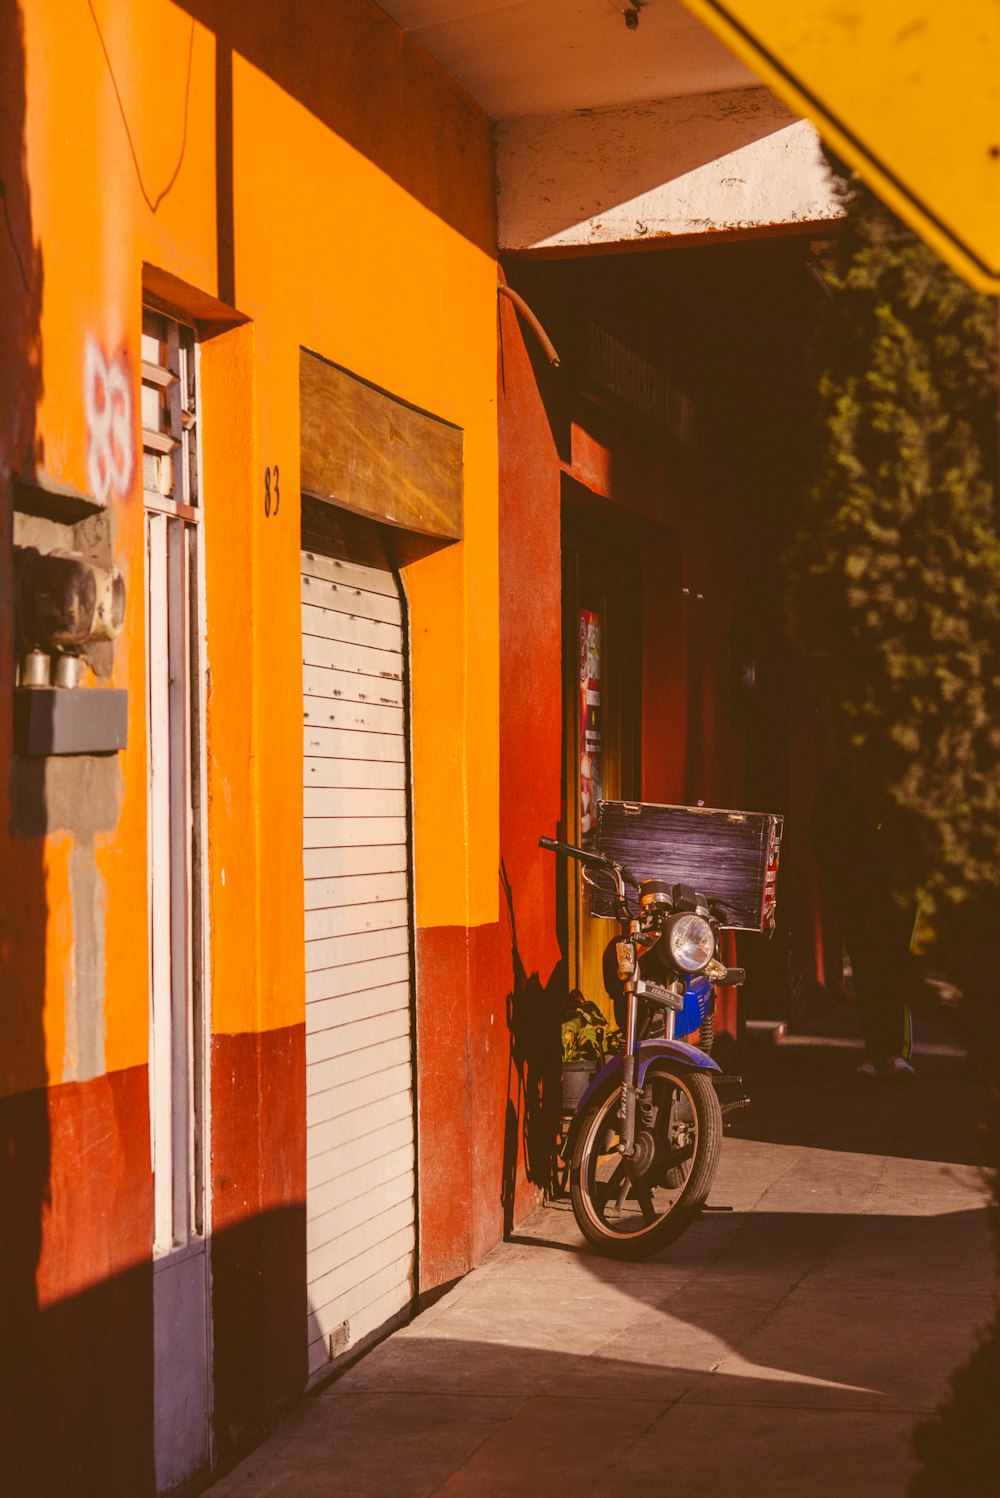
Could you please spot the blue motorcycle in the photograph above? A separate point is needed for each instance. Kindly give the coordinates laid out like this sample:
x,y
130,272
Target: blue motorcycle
x,y
644,1143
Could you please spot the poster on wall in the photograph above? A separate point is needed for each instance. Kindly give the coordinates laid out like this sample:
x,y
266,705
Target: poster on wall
x,y
591,742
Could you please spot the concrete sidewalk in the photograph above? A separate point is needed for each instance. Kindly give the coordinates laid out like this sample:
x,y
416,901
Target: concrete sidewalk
x,y
785,1345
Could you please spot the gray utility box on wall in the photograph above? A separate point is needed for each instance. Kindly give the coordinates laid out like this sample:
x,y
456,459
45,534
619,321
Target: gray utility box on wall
x,y
70,720
729,856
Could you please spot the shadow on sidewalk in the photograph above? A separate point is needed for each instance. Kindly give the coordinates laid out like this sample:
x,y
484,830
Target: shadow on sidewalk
x,y
808,1093
788,1352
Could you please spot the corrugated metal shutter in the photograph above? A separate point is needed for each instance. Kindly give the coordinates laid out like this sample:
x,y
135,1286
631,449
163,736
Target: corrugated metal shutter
x,y
359,1082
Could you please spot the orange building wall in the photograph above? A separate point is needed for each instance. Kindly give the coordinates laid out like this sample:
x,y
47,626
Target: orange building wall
x,y
218,154
410,307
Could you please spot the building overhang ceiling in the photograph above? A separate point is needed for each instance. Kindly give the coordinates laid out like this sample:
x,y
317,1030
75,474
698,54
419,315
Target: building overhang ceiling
x,y
520,58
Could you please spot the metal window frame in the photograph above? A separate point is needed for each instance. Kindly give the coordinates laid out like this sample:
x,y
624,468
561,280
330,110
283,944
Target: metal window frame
x,y
180,1202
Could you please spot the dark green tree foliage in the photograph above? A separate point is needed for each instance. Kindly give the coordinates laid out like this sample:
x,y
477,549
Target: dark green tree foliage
x,y
895,593
895,574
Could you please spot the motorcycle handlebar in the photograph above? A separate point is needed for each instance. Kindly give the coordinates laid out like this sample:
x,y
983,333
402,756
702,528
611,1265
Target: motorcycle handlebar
x,y
595,860
722,913
579,853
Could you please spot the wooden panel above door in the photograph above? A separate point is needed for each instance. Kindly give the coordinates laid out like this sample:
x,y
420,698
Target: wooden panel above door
x,y
373,454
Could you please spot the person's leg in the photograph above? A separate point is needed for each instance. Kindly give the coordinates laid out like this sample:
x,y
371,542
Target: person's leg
x,y
886,1021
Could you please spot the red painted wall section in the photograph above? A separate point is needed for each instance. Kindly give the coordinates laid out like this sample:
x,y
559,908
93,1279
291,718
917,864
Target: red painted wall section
x,y
99,1207
258,1231
530,642
721,733
472,1122
461,1066
488,999
76,1395
530,755
664,674
444,1106
489,1081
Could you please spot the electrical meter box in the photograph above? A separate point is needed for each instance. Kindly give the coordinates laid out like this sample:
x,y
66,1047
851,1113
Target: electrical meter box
x,y
729,856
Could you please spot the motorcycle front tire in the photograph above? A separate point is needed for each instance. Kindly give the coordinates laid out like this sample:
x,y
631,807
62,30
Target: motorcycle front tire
x,y
631,1212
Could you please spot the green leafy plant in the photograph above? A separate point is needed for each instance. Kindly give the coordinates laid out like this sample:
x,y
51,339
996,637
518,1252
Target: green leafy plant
x,y
586,1033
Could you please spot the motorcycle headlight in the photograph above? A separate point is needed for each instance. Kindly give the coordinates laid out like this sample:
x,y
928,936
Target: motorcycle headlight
x,y
691,941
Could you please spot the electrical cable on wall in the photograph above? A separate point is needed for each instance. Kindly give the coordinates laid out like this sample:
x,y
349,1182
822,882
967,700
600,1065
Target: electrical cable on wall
x,y
531,319
151,204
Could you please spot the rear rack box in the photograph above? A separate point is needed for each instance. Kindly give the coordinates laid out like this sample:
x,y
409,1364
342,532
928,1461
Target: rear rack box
x,y
730,856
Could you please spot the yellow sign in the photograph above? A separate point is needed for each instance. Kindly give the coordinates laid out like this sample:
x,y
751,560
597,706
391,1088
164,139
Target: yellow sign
x,y
906,91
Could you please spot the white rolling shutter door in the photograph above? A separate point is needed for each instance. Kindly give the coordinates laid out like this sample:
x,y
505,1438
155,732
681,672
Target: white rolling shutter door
x,y
359,1084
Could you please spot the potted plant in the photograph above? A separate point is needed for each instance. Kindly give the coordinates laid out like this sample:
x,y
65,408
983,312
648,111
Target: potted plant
x,y
587,1039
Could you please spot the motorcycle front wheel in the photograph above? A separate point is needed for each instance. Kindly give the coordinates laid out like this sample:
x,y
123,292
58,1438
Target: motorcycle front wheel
x,y
633,1208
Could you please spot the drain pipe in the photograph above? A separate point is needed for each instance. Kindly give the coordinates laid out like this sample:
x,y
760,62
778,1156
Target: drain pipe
x,y
532,321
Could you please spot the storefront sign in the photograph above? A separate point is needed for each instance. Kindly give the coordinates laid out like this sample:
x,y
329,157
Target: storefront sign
x,y
591,727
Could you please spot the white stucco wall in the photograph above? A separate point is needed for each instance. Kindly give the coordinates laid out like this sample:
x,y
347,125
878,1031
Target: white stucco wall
x,y
709,164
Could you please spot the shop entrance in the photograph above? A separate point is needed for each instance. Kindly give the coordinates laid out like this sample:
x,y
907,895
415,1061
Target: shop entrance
x,y
360,1163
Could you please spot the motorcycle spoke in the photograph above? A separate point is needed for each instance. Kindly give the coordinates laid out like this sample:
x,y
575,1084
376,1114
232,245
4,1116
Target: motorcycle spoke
x,y
609,1189
623,1192
675,1160
644,1196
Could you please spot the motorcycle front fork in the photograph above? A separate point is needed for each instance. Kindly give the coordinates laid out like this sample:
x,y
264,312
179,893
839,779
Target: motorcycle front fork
x,y
630,1093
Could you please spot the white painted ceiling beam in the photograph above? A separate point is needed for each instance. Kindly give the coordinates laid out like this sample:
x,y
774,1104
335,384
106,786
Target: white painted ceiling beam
x,y
719,163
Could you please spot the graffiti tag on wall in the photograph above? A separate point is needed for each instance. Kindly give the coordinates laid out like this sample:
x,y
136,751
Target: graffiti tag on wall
x,y
107,399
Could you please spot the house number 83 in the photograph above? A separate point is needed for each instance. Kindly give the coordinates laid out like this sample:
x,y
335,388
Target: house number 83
x,y
272,491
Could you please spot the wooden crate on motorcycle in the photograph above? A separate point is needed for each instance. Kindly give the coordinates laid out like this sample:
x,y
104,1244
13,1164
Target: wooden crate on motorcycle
x,y
730,856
